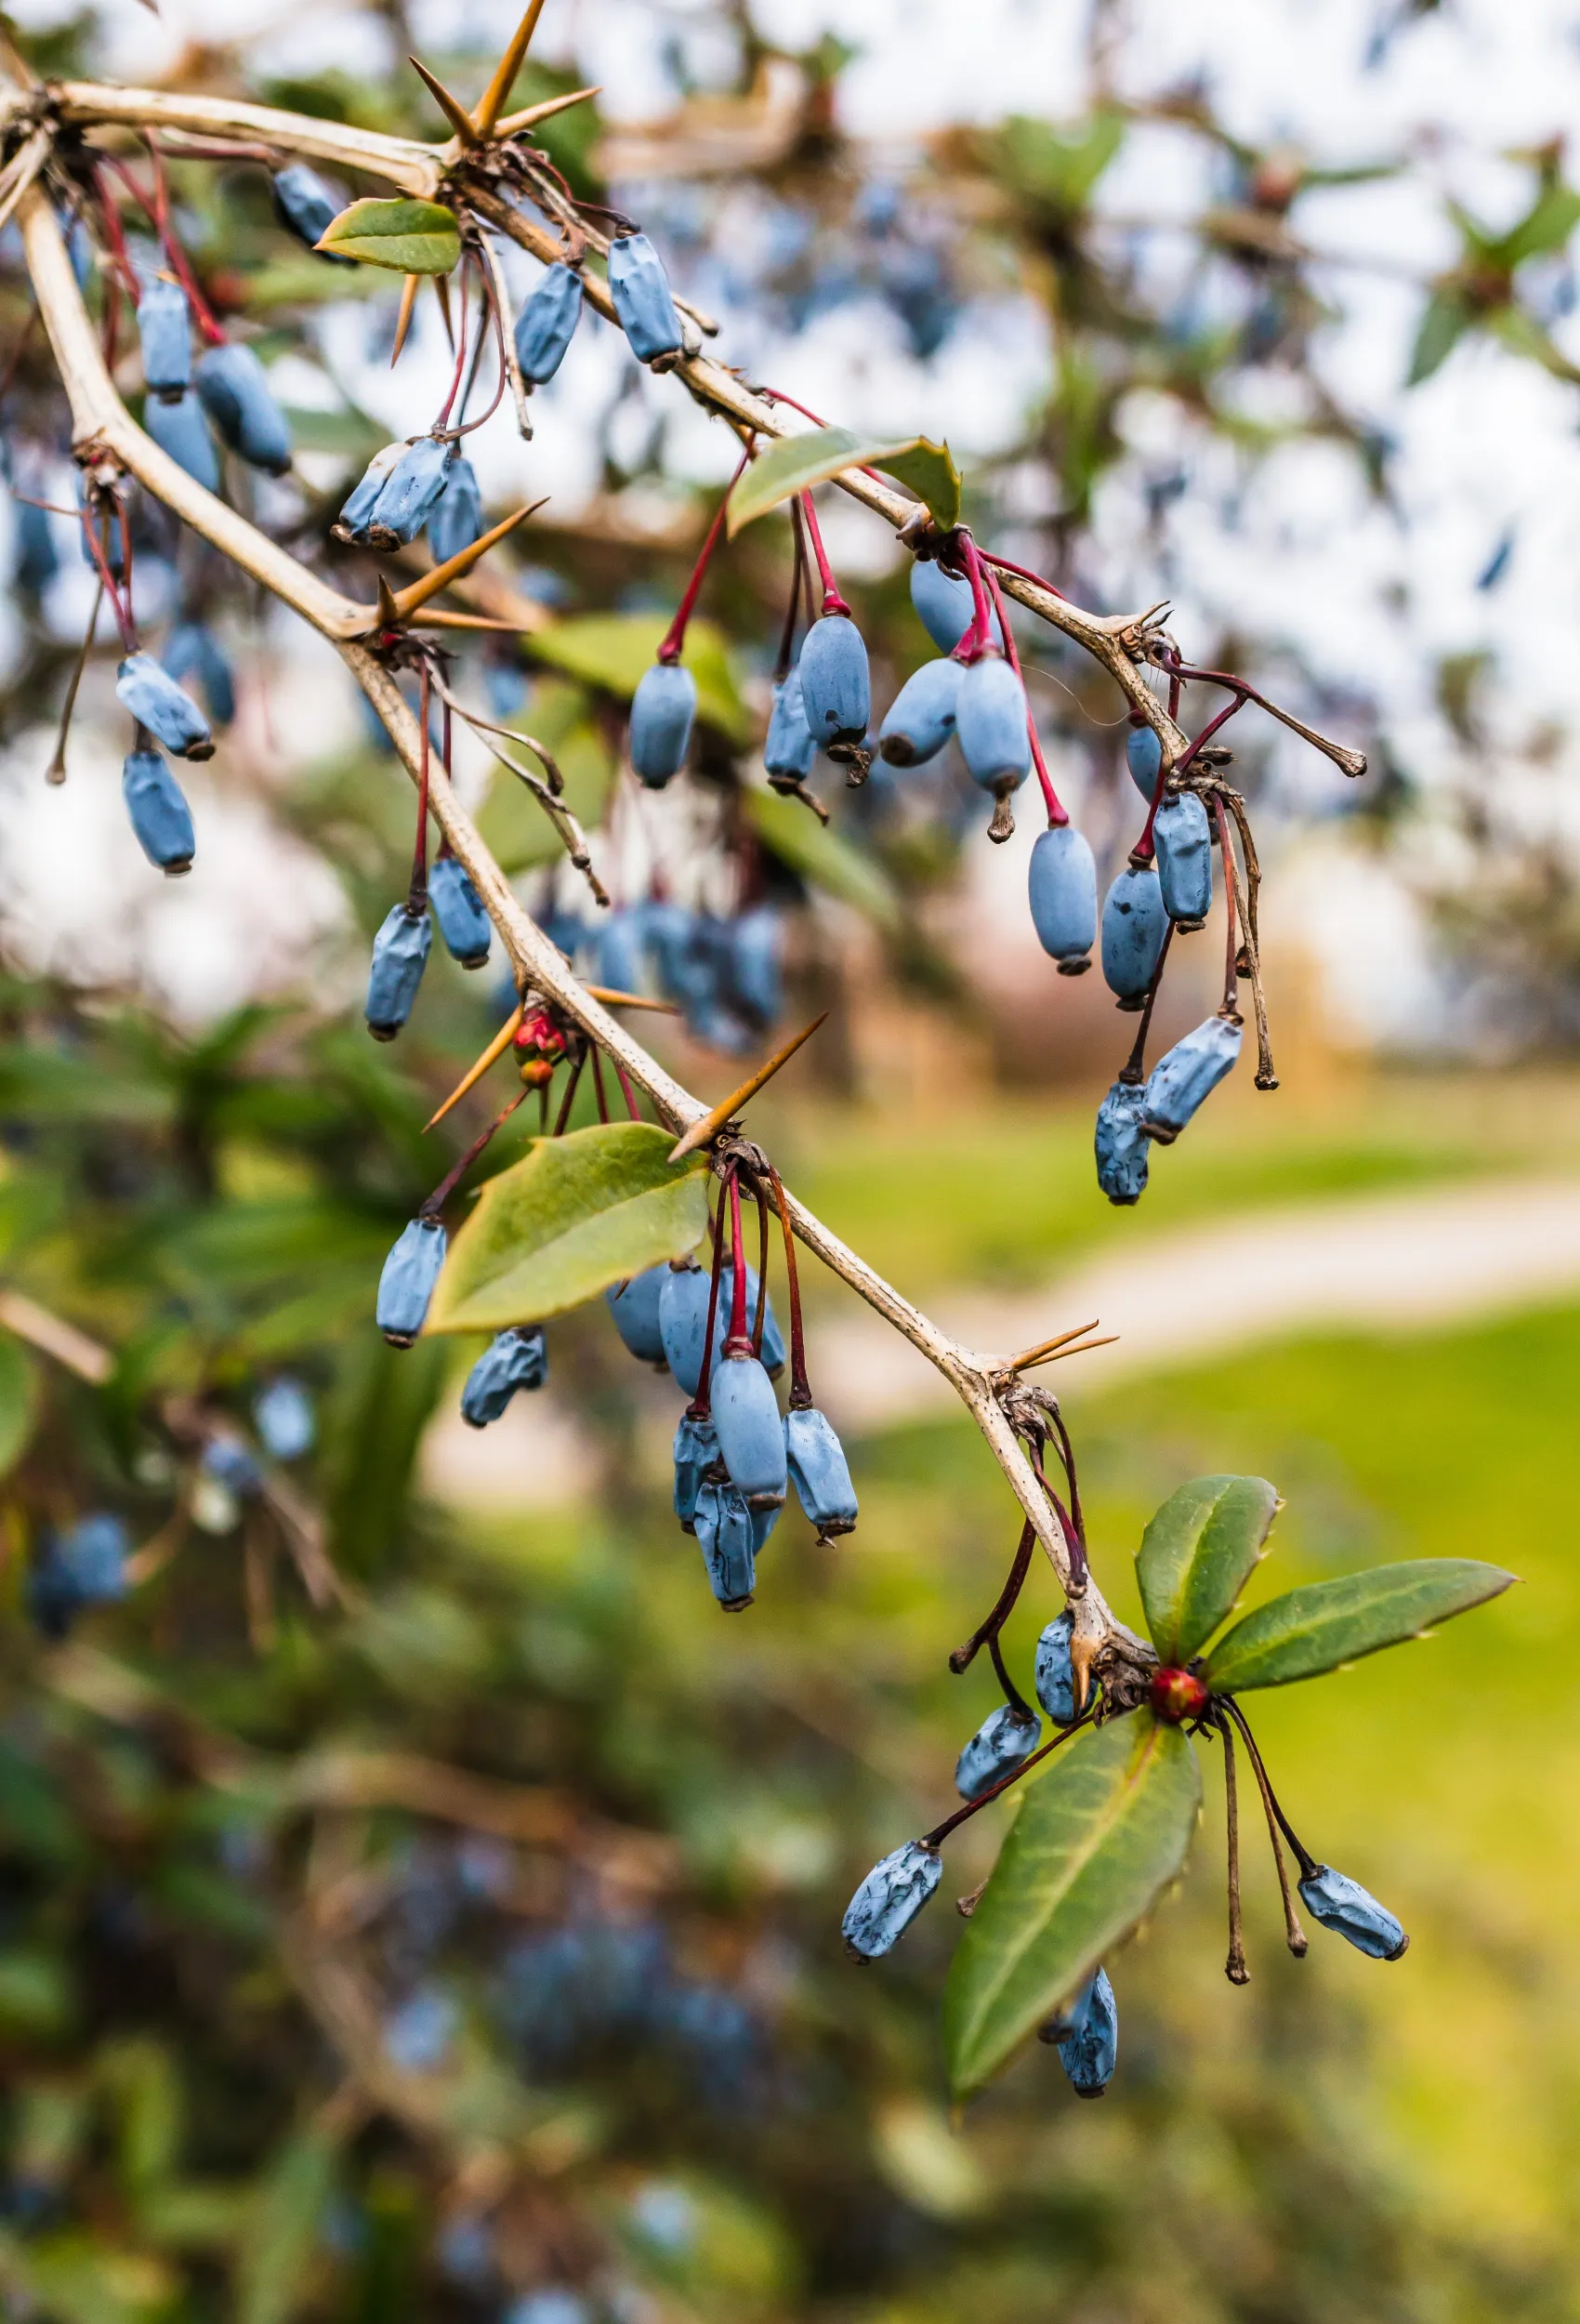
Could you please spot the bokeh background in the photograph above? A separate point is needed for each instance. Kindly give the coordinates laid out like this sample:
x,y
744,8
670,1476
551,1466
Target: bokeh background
x,y
459,1939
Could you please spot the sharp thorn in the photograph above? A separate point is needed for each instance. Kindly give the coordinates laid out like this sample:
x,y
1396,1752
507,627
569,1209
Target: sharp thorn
x,y
702,1133
474,1074
455,112
514,124
455,568
492,102
409,289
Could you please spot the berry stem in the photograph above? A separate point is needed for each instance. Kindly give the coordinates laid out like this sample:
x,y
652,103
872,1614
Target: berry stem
x,y
832,601
1056,814
453,1177
625,1090
700,1405
569,1099
444,419
1012,1694
978,639
675,636
759,1319
800,1393
1277,1821
1135,1067
1015,1580
1231,979
787,636
739,1339
941,1831
416,895
1022,572
1234,1968
598,1089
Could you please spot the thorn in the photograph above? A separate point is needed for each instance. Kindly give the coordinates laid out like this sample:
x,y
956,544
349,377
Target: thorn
x,y
514,124
442,292
712,1123
455,112
409,289
389,611
629,1001
454,568
474,1074
1045,1348
1108,1340
492,102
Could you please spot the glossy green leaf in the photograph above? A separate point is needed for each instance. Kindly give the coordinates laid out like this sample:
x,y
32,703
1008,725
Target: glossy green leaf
x,y
1307,1632
613,650
821,856
574,1215
1097,1838
409,236
1197,1555
796,463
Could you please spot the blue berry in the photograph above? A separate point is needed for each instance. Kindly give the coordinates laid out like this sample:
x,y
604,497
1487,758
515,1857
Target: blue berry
x,y
889,1899
167,710
462,923
682,1315
1183,837
547,323
159,813
1122,1144
399,956
456,521
696,1449
83,1565
750,1433
351,524
1343,1905
634,1305
725,1535
514,1360
305,207
408,493
756,945
662,712
240,403
180,430
921,717
1062,884
1143,754
406,1284
991,724
1181,1081
192,650
165,330
1134,925
1088,2050
1053,1673
639,288
943,602
835,684
997,1748
791,746
282,1416
819,1472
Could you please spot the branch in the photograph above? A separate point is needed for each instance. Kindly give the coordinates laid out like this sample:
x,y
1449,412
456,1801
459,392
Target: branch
x,y
99,417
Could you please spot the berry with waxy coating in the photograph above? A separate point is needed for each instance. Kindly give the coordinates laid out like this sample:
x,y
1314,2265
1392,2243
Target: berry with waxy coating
x,y
514,1360
639,288
819,1471
889,1899
991,725
406,1287
1053,1673
943,603
1088,2050
1144,755
662,710
921,717
1177,1695
456,521
241,403
682,1317
399,956
465,926
159,813
1063,886
167,710
1122,1146
751,1434
1342,1905
546,323
1134,925
997,1748
408,491
756,950
351,524
790,748
1183,838
727,1538
1180,1082
180,430
304,206
165,333
835,683
192,650
696,1450
634,1305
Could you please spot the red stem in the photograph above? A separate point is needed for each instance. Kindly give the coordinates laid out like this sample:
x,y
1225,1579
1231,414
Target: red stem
x,y
700,1405
98,551
416,895
601,1093
1231,982
978,639
759,1319
1024,573
1056,814
625,1090
570,1097
453,1177
675,636
157,213
120,257
800,1394
460,355
739,1336
832,601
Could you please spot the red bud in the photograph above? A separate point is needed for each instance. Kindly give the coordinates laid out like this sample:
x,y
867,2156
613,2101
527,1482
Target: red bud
x,y
1176,1695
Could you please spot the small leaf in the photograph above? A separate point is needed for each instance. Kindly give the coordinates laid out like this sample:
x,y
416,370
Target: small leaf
x,y
822,857
407,236
574,1215
796,463
615,651
1196,1556
1097,1841
1307,1632
1447,319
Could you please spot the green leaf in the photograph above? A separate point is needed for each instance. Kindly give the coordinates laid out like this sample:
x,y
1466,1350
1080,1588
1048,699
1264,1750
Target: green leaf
x,y
1097,1838
615,651
411,237
794,833
19,1401
1447,319
1544,228
796,463
279,2246
1196,1556
574,1215
1314,1629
